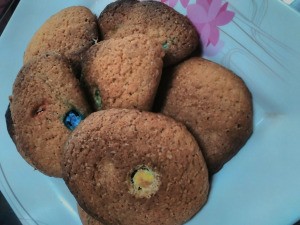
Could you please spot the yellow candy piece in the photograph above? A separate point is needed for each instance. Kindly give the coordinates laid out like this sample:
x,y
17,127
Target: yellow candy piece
x,y
143,178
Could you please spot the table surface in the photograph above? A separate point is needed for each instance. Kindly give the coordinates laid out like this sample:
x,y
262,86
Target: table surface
x,y
7,8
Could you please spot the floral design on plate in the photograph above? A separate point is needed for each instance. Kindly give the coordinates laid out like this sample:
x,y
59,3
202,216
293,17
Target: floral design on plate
x,y
207,16
172,3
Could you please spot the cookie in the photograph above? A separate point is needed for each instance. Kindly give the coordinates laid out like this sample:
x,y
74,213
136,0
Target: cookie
x,y
47,103
123,73
173,31
86,219
70,32
214,104
129,167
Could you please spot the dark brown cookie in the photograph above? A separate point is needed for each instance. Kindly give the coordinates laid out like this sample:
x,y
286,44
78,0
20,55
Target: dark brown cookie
x,y
47,103
86,219
123,73
9,123
129,167
214,104
160,22
69,32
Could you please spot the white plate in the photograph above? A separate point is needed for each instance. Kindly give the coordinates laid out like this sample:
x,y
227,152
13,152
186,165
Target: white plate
x,y
260,185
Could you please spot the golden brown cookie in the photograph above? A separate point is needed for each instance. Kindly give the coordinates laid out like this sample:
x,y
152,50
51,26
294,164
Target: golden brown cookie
x,y
160,22
47,103
214,104
129,167
123,73
86,219
69,32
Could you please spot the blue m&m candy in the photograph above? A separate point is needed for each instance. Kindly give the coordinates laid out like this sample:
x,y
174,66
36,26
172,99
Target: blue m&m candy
x,y
73,119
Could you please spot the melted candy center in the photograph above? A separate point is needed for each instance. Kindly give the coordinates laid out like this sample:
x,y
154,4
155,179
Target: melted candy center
x,y
72,119
97,99
143,178
144,182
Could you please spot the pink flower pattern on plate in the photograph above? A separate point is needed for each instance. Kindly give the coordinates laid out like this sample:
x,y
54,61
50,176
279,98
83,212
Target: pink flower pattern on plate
x,y
172,3
207,16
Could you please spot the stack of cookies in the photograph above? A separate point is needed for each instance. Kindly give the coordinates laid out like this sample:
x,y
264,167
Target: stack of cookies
x,y
120,108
